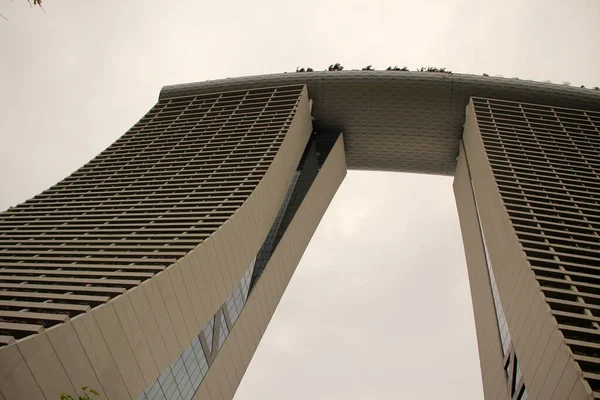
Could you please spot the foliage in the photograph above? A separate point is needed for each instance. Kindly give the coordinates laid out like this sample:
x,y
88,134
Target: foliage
x,y
87,393
339,67
434,69
396,68
35,3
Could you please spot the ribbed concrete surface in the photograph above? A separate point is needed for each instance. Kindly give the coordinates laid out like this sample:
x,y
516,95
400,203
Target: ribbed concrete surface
x,y
399,121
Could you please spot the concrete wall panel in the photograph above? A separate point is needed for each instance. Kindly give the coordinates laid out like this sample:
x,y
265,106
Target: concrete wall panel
x,y
119,348
169,297
204,272
149,325
100,357
196,293
137,338
17,381
183,299
162,318
45,366
73,358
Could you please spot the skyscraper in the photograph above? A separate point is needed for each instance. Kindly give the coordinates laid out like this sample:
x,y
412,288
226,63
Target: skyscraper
x,y
152,271
527,191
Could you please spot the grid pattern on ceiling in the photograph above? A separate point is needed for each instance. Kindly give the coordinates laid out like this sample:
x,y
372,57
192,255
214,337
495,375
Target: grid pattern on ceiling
x,y
546,163
144,202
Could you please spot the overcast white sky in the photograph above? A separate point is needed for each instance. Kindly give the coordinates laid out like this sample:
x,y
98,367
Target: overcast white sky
x,y
379,307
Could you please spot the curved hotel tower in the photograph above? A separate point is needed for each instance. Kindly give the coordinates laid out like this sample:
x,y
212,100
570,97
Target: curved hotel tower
x,y
153,270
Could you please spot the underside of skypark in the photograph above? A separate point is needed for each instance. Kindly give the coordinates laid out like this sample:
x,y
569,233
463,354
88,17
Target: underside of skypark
x,y
399,121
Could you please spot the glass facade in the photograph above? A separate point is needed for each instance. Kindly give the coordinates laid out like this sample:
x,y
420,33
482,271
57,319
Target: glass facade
x,y
235,302
264,254
208,335
516,387
223,331
183,377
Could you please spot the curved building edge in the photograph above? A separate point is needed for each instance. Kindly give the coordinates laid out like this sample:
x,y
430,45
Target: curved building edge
x,y
119,348
522,323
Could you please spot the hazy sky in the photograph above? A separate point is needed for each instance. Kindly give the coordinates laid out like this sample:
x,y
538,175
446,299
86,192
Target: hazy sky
x,y
379,307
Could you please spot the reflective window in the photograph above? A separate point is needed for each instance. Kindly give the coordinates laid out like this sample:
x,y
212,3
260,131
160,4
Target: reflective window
x,y
267,248
202,363
232,306
512,369
182,378
152,394
208,333
224,331
167,384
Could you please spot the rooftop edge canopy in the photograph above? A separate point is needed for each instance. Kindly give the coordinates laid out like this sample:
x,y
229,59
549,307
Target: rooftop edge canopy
x,y
399,121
